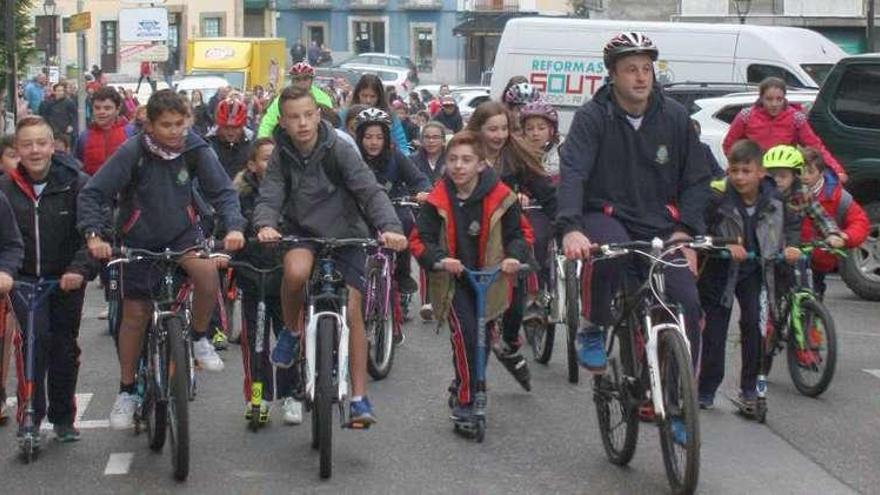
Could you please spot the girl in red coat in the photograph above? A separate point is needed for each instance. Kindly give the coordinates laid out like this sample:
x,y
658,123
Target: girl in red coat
x,y
772,121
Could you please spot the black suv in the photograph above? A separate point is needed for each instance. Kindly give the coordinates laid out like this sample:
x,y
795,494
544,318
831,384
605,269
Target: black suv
x,y
846,116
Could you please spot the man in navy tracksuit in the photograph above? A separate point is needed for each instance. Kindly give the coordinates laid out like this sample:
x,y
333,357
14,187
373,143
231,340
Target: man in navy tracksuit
x,y
631,168
43,192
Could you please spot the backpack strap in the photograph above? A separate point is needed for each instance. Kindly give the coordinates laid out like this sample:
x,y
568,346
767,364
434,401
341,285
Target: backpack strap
x,y
843,205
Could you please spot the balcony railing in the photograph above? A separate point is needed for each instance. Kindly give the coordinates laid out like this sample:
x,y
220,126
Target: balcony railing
x,y
494,5
313,4
422,4
368,4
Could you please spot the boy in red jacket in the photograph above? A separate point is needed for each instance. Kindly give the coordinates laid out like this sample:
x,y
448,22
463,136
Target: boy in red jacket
x,y
838,203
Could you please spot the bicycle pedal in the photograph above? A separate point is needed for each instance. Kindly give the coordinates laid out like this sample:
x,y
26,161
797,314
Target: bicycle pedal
x,y
358,426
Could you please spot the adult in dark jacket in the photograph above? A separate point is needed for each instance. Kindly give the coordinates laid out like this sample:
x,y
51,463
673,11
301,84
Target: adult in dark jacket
x,y
449,115
43,192
298,52
631,168
431,157
319,185
60,112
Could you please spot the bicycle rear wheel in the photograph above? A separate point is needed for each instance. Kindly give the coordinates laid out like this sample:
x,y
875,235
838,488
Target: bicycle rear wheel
x,y
178,398
572,317
680,429
324,394
615,408
813,363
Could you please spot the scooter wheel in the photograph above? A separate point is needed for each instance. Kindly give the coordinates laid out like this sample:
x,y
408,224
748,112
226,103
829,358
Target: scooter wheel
x,y
480,434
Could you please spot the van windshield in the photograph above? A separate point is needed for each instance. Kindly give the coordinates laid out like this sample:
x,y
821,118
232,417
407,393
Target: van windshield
x,y
235,78
817,71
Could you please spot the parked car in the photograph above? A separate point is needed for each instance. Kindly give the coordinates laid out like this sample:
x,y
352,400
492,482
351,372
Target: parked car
x,y
688,92
325,74
847,118
468,100
385,60
208,85
390,76
715,115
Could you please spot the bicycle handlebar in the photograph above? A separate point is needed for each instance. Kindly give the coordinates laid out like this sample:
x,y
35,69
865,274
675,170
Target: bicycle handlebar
x,y
523,267
126,255
657,245
405,201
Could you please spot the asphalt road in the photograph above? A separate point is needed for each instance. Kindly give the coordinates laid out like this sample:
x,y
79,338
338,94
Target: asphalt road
x,y
545,441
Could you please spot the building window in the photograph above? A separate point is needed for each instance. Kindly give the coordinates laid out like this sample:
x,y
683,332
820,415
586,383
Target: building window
x,y
369,36
212,27
423,47
857,99
109,45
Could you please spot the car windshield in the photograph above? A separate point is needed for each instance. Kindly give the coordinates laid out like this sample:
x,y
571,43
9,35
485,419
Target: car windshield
x,y
236,79
817,71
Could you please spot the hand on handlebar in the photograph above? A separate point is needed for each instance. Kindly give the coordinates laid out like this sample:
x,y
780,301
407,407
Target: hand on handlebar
x,y
452,266
233,241
99,248
268,234
791,255
421,197
393,241
737,252
523,199
510,266
576,246
836,241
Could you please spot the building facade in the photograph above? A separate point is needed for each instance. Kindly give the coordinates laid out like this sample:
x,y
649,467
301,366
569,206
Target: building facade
x,y
419,29
186,18
841,21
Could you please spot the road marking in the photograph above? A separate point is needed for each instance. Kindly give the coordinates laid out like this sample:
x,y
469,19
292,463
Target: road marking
x,y
119,463
82,403
873,372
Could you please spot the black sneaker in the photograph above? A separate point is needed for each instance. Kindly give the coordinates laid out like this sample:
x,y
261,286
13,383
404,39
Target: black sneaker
x,y
66,433
406,285
516,364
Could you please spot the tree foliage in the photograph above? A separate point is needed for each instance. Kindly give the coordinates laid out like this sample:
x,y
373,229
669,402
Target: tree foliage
x,y
24,36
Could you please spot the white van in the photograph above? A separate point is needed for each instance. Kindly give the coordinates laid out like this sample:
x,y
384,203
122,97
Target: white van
x,y
563,57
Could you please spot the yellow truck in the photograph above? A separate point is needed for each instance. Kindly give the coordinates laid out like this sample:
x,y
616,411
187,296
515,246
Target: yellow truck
x,y
244,62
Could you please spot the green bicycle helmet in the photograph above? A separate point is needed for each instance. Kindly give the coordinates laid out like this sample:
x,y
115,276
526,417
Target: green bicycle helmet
x,y
784,156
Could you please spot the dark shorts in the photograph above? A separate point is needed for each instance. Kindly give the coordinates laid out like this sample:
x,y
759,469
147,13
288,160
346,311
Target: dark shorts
x,y
140,279
350,262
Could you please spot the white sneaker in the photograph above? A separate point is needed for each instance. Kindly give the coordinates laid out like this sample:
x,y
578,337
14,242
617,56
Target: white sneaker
x,y
122,415
203,351
427,313
293,411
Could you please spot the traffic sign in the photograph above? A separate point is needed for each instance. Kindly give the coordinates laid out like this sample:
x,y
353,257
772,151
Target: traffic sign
x,y
77,22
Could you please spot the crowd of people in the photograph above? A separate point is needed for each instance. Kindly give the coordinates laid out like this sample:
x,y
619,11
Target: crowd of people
x,y
326,162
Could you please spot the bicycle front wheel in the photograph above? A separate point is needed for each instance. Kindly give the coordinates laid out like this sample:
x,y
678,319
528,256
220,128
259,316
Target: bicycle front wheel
x,y
572,317
380,332
155,406
680,429
178,398
324,394
812,362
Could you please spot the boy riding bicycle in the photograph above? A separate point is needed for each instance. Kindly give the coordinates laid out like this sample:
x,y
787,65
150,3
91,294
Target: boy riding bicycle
x,y
745,206
153,173
319,186
471,219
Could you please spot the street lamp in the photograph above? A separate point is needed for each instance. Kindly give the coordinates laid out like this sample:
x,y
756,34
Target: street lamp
x,y
49,8
742,9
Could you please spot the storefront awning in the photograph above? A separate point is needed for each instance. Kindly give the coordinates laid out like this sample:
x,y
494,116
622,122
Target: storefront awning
x,y
485,24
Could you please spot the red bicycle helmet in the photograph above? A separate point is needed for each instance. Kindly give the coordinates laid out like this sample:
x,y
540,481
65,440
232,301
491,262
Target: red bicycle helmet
x,y
302,68
231,113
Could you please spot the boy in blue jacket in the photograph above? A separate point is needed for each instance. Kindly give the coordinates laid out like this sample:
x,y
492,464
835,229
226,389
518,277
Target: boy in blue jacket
x,y
153,173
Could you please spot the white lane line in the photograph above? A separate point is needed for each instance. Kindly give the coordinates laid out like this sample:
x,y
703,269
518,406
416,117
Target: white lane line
x,y
82,403
873,372
119,463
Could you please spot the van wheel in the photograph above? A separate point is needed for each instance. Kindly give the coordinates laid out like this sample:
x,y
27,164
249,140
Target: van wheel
x,y
861,269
